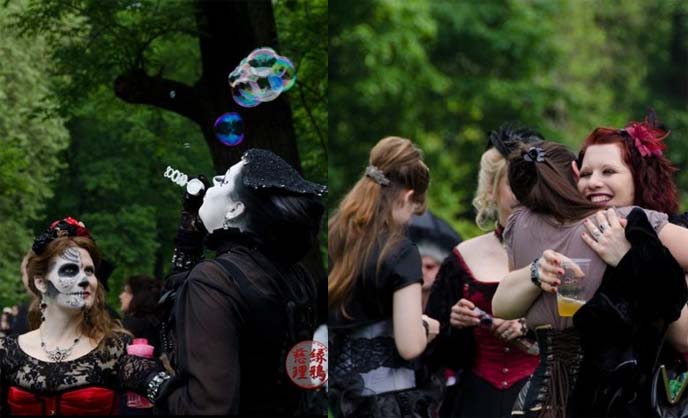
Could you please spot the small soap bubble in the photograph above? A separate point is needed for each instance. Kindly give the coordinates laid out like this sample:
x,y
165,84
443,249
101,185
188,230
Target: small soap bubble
x,y
261,61
244,94
187,145
229,129
172,94
284,69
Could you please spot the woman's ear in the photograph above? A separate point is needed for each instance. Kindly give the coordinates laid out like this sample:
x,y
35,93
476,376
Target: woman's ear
x,y
576,172
235,210
40,284
407,196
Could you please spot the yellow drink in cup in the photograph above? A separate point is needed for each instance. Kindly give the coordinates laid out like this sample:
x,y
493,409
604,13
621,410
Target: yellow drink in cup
x,y
568,306
570,295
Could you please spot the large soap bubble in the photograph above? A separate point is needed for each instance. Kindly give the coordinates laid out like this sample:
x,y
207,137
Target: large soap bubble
x,y
261,77
229,129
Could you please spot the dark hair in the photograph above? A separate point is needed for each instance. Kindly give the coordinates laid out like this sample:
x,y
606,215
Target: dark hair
x,y
548,186
145,292
285,223
653,180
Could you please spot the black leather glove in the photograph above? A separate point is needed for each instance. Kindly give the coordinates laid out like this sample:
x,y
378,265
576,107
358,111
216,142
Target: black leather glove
x,y
191,232
194,191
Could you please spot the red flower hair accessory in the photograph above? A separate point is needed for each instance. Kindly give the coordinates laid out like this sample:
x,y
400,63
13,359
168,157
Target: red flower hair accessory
x,y
67,227
647,137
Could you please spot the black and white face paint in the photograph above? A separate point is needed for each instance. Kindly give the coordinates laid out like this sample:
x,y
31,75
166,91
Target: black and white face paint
x,y
72,283
217,200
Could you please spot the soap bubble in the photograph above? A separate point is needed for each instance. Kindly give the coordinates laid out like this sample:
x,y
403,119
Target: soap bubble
x,y
261,77
229,129
284,69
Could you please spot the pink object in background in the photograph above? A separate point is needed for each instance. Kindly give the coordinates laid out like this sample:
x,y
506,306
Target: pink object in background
x,y
140,348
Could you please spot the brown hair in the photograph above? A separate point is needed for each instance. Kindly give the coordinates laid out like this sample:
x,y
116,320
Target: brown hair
x,y
548,187
653,180
96,322
365,214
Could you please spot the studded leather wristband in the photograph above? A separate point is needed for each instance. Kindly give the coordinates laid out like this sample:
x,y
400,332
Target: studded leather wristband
x,y
535,273
155,384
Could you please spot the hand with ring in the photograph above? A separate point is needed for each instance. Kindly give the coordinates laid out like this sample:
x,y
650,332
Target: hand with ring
x,y
550,270
463,314
507,330
608,236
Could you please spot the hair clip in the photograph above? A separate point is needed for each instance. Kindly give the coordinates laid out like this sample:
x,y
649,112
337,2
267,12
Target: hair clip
x,y
377,175
534,154
67,227
646,136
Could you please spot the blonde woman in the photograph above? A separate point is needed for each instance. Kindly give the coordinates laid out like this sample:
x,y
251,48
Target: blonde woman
x,y
494,368
376,326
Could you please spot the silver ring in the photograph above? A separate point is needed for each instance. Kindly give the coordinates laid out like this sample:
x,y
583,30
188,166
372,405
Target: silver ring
x,y
506,334
603,227
596,234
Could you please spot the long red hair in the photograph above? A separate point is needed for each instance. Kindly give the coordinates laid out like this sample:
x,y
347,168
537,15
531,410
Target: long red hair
x,y
653,179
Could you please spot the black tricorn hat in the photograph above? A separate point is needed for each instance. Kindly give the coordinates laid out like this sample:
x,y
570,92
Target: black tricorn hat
x,y
266,170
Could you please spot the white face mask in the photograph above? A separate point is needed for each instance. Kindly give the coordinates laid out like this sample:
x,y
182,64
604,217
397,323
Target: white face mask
x,y
218,206
72,283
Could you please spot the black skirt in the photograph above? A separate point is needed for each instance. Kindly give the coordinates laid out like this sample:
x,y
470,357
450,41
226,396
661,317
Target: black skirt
x,y
475,397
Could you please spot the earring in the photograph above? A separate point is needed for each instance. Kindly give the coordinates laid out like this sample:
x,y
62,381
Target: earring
x,y
227,223
44,305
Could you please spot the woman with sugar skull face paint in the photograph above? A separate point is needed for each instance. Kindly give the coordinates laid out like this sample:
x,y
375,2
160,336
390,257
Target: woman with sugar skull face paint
x,y
74,361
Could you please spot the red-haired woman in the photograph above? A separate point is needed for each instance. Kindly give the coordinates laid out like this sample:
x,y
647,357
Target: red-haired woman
x,y
74,361
374,289
616,332
623,167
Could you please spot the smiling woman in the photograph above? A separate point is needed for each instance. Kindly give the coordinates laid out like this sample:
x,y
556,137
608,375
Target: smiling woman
x,y
604,178
621,167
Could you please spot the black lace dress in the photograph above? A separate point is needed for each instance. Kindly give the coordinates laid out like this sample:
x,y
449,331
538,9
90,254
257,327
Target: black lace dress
x,y
367,376
88,385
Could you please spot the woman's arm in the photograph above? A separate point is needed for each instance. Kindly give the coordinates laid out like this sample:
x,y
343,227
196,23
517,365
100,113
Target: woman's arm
x,y
516,291
675,238
409,332
677,334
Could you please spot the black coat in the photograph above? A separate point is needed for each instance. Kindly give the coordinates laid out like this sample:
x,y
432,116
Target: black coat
x,y
232,333
623,326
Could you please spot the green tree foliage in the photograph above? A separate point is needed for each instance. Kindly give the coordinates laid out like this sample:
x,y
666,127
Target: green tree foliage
x,y
30,140
445,73
302,23
112,171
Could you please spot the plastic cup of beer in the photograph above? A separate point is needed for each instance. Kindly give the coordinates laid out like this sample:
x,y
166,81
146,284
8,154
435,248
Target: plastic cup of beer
x,y
570,295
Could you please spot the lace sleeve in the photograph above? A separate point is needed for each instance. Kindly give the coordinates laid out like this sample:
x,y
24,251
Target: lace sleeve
x,y
136,373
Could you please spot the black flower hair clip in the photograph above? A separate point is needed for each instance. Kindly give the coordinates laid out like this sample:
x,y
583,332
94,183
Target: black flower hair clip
x,y
534,154
68,227
509,136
